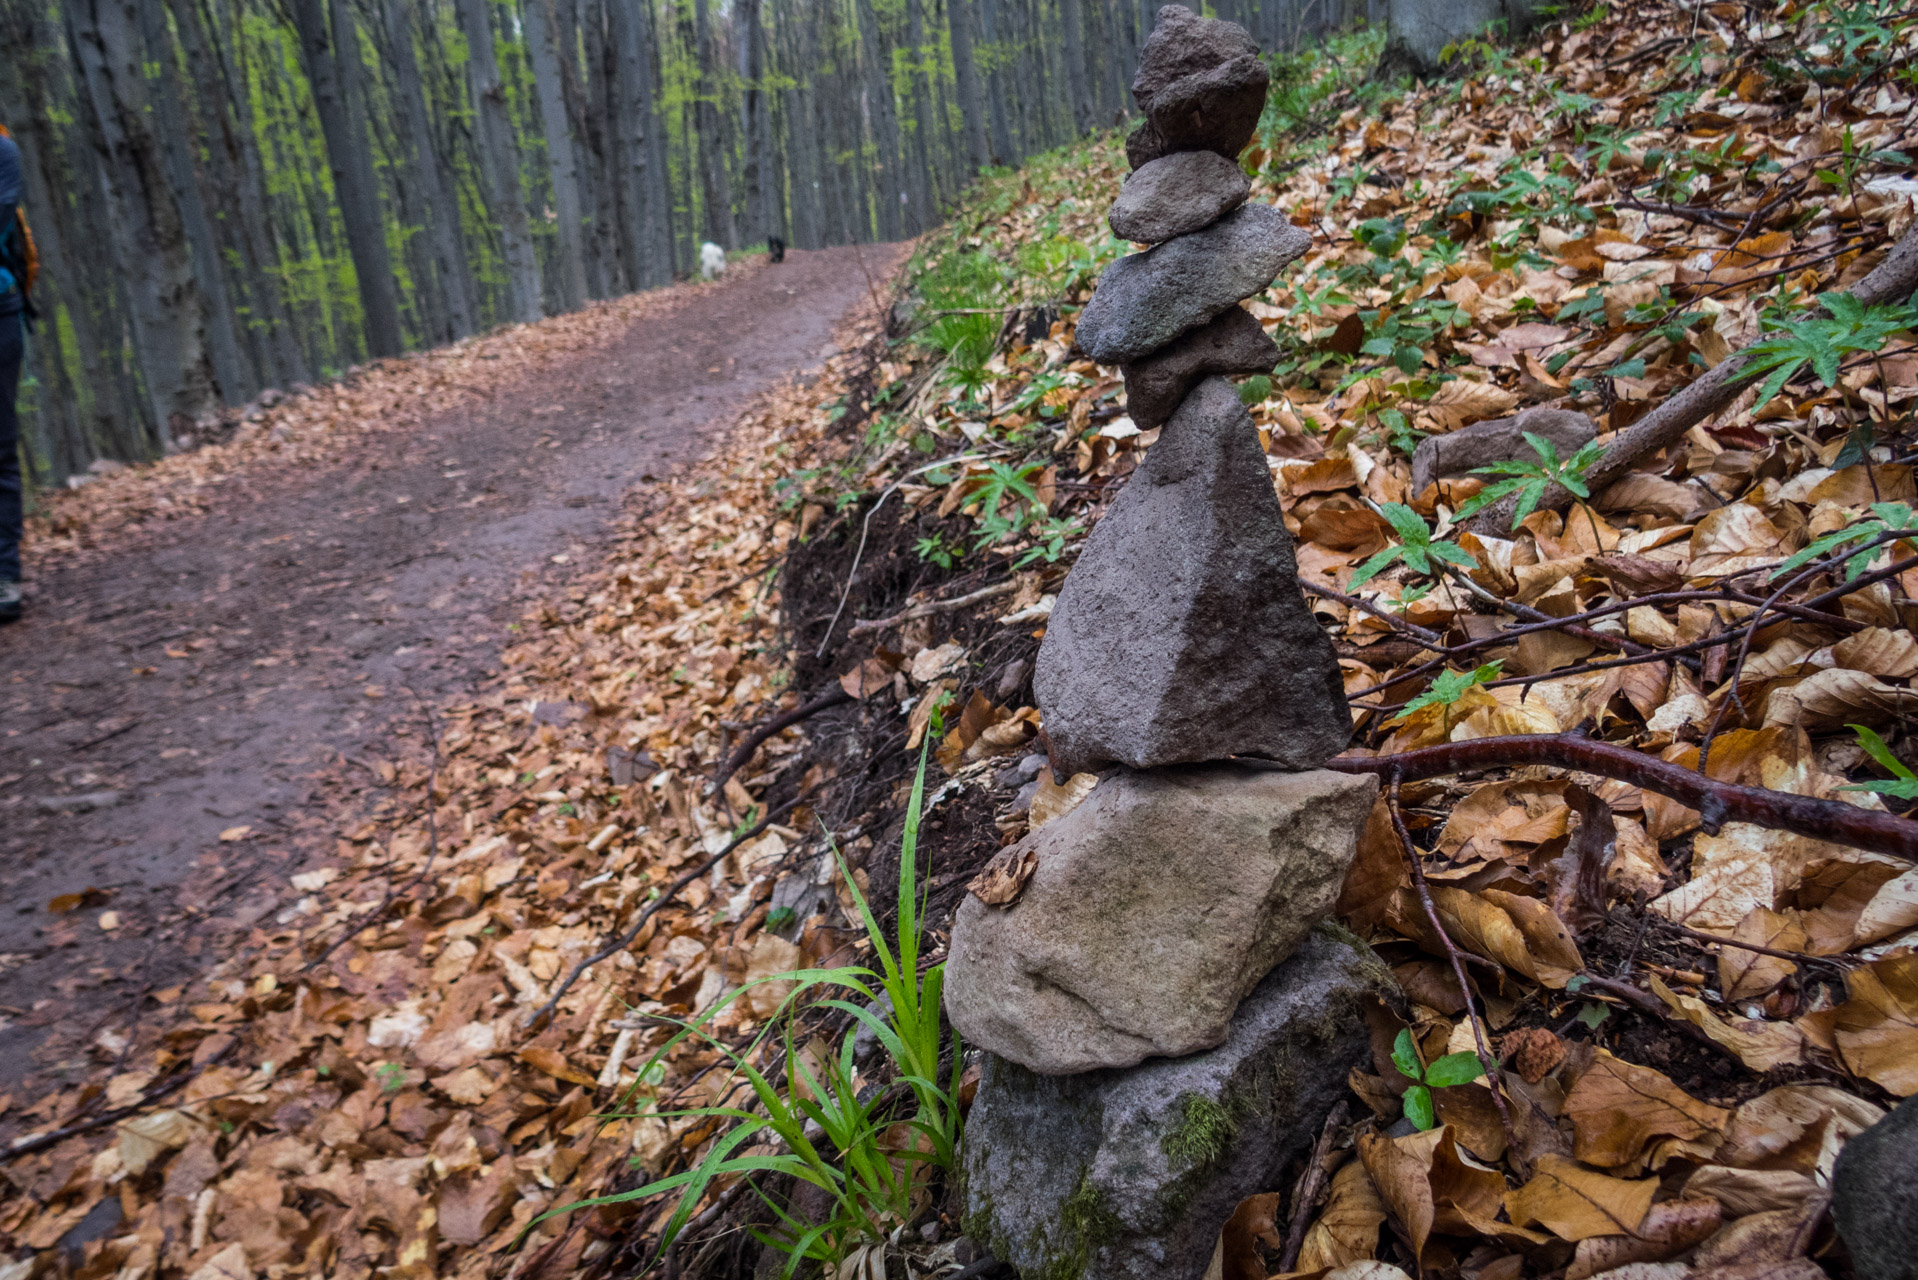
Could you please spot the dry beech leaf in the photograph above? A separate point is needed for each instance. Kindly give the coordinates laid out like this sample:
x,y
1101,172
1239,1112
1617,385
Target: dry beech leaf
x,y
1001,881
1255,1221
1053,801
1430,1185
1619,1110
1668,1229
1520,933
1347,1229
1745,975
1762,1046
1876,1029
554,1064
1574,1202
1796,1126
869,677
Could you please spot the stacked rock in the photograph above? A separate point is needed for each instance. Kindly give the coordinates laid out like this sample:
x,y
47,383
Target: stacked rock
x,y
1174,915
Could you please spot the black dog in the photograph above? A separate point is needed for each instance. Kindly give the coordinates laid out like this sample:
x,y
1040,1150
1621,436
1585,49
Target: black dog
x,y
775,249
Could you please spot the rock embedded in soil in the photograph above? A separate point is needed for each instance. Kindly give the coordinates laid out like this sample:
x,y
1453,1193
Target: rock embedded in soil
x,y
1875,1197
1176,195
1131,1175
1233,342
1499,440
1154,906
1181,634
1145,300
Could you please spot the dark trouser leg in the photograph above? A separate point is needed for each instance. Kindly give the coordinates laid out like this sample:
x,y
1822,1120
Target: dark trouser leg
x,y
12,347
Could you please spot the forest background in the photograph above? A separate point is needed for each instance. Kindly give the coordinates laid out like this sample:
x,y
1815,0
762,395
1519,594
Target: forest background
x,y
237,196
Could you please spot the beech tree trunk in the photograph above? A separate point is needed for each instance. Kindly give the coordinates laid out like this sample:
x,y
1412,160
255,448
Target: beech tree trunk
x,y
442,229
537,19
499,162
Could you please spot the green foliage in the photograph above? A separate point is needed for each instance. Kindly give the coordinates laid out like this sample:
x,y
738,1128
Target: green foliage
x,y
1821,343
825,1127
1415,548
1450,686
1903,784
1529,479
1885,518
1452,1069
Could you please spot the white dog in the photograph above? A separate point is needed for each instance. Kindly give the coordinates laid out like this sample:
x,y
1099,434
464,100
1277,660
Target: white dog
x,y
712,260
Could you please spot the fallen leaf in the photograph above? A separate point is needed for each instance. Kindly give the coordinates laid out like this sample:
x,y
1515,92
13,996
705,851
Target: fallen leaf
x,y
1347,1229
1745,975
554,1064
1003,879
1876,1029
1619,1110
1053,801
1577,1203
232,834
1760,1045
1668,1229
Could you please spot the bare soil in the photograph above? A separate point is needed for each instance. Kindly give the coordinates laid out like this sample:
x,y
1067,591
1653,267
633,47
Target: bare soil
x,y
313,613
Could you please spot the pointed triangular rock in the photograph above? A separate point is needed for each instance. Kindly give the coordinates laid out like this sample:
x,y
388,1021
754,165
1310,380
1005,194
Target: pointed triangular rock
x,y
1181,634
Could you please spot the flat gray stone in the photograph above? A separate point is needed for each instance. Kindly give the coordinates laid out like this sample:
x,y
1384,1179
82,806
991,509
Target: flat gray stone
x,y
1177,194
1212,110
1459,452
1181,634
1145,300
1181,44
1875,1197
1233,342
1152,909
1131,1175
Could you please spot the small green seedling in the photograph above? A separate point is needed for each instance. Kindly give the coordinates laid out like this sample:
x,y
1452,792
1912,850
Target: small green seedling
x,y
1902,785
1453,1068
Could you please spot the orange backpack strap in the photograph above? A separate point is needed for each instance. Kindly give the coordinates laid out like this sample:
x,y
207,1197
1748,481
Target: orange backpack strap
x,y
31,250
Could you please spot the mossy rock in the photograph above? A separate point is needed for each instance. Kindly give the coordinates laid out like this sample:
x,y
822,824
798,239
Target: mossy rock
x,y
1130,1174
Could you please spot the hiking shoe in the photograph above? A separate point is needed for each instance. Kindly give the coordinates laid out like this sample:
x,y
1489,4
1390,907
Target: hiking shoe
x,y
9,601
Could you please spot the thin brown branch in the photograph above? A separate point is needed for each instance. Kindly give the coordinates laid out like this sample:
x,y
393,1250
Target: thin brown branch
x,y
1487,1059
934,607
1307,1197
1717,802
779,723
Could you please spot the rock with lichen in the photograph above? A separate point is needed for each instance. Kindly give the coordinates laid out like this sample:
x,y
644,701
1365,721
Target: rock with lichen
x,y
1131,1174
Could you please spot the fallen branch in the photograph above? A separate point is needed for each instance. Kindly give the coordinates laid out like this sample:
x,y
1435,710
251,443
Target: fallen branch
x,y
625,939
152,1094
1305,1200
1892,280
1717,802
933,607
784,720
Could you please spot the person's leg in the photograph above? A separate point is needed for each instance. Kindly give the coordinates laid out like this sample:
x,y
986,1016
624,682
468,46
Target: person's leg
x,y
12,347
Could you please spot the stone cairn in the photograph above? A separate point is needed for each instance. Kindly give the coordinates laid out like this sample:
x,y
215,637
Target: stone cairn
x,y
1167,1019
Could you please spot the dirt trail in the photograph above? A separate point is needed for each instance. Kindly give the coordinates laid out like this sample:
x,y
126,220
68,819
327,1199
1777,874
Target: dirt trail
x,y
300,618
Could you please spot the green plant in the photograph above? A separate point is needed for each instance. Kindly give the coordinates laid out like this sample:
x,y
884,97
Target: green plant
x,y
935,548
1886,518
1903,783
1415,548
1822,343
818,1123
1450,686
1529,479
1452,1069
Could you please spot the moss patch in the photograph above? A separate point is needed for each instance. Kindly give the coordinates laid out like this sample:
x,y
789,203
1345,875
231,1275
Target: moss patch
x,y
1086,1224
1201,1132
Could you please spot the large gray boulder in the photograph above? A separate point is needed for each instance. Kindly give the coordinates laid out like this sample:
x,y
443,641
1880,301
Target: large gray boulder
x,y
1176,195
1233,342
1181,634
1875,1197
1131,1175
1153,908
1417,32
1145,300
1460,452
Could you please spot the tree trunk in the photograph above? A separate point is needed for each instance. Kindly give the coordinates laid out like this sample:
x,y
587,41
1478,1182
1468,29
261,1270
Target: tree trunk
x,y
165,307
230,369
446,246
644,226
965,72
882,119
1072,23
710,132
1417,31
918,58
330,47
540,23
499,162
991,27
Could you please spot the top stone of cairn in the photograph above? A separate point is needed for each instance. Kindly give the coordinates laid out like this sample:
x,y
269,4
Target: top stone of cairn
x,y
1201,85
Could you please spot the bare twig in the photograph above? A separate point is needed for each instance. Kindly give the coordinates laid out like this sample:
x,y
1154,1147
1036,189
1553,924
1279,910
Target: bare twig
x,y
1487,1059
758,737
934,607
1307,1196
1717,802
152,1094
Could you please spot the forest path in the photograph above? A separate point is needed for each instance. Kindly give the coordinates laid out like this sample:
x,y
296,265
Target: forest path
x,y
271,623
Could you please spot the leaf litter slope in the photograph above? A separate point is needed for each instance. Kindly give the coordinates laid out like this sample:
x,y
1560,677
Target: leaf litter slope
x,y
1587,224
